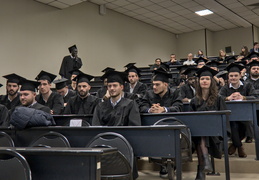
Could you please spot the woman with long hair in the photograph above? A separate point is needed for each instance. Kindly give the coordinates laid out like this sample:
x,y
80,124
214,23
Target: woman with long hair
x,y
244,51
206,99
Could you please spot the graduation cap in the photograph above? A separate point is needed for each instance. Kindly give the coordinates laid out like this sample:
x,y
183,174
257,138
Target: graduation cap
x,y
75,72
182,68
71,48
241,63
108,69
233,67
161,75
60,83
190,72
206,71
223,74
129,65
43,75
28,85
253,63
213,63
252,55
134,69
1,85
13,78
230,59
82,77
201,59
115,76
165,66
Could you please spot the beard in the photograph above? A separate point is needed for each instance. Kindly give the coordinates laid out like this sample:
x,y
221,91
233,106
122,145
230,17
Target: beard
x,y
83,93
12,92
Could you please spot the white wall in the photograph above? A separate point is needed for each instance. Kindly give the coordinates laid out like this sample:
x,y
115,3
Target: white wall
x,y
236,38
190,43
35,37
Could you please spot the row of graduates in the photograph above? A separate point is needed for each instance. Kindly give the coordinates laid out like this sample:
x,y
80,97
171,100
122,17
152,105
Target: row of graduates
x,y
120,108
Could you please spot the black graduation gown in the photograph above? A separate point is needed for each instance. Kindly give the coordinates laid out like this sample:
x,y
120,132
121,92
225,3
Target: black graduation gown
x,y
69,64
10,104
40,107
171,100
70,94
186,91
4,116
245,90
101,92
77,105
255,84
213,143
140,89
125,113
55,102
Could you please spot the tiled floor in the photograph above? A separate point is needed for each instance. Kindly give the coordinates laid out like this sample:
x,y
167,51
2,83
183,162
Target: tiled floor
x,y
154,175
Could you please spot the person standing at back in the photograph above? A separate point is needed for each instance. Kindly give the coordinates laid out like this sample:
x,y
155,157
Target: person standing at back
x,y
70,63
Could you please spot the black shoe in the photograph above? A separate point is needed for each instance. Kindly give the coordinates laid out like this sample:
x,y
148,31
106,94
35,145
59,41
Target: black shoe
x,y
163,172
249,139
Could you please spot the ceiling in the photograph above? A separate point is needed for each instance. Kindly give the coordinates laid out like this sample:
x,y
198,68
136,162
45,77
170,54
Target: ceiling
x,y
177,16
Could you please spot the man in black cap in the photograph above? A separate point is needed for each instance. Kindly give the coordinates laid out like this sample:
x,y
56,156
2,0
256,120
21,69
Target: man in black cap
x,y
116,111
103,93
237,90
254,75
69,63
201,62
11,99
134,86
72,85
62,89
187,91
46,97
83,102
161,98
28,95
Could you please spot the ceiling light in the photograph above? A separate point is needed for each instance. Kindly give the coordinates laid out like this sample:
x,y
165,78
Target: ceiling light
x,y
204,12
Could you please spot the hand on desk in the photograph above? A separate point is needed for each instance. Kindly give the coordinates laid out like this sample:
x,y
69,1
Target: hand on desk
x,y
156,108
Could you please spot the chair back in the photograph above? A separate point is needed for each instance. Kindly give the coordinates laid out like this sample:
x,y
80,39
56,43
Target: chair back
x,y
51,139
117,166
5,140
185,139
13,166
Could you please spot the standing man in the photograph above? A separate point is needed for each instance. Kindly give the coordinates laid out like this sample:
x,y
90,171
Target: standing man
x,y
69,63
62,89
116,111
11,99
46,97
83,102
134,86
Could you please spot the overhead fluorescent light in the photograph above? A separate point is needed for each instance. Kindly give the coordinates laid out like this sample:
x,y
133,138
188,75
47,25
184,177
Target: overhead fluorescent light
x,y
204,12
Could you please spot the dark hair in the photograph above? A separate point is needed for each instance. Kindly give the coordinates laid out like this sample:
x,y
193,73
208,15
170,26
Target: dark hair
x,y
213,92
255,43
244,53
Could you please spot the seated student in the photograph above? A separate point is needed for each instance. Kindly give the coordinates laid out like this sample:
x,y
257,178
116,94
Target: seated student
x,y
237,90
28,95
103,92
74,73
161,98
201,62
181,80
62,89
83,102
3,114
173,60
134,86
116,111
255,48
189,60
187,91
222,56
206,99
46,97
12,98
157,64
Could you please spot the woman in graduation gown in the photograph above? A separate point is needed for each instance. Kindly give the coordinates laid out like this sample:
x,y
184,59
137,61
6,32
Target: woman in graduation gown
x,y
206,99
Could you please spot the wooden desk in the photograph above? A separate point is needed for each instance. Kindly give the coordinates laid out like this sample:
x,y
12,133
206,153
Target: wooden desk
x,y
64,163
147,141
201,123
